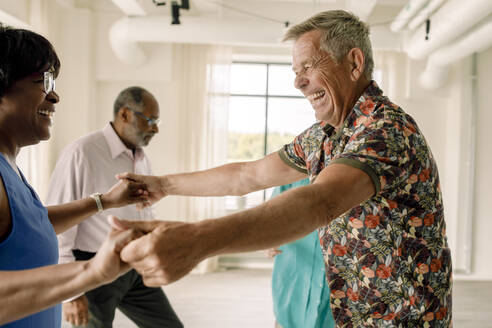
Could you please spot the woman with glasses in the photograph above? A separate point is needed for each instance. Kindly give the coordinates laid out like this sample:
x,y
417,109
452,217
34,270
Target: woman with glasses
x,y
31,283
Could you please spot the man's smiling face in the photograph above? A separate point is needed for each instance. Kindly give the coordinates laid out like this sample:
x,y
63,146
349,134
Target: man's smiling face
x,y
321,79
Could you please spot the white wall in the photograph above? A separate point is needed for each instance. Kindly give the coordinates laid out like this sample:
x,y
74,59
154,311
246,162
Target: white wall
x,y
482,225
91,78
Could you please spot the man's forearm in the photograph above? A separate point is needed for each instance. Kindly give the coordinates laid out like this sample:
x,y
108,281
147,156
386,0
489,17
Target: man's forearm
x,y
29,291
233,179
283,219
288,216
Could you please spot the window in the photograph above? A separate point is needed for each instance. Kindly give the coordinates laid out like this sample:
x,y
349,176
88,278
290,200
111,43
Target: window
x,y
265,112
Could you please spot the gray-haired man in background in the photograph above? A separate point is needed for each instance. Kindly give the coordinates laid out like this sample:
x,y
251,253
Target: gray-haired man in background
x,y
88,166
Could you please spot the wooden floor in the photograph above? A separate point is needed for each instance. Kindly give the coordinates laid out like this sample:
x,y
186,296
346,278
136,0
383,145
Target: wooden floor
x,y
472,304
241,298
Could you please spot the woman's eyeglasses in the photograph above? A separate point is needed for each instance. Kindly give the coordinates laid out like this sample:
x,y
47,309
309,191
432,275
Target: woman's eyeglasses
x,y
48,82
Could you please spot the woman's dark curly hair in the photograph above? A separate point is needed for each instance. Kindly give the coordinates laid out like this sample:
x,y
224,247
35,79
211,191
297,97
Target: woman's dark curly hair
x,y
22,53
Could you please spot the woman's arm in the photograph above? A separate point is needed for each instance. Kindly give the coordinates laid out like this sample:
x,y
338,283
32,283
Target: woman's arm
x,y
30,291
124,192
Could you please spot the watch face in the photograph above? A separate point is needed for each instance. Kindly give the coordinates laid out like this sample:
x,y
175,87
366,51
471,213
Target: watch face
x,y
97,197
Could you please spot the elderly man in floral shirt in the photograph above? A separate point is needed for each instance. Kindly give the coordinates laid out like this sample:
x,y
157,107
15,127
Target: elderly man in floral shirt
x,y
374,195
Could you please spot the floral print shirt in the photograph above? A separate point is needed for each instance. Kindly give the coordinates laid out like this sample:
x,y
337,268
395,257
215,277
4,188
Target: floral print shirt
x,y
387,260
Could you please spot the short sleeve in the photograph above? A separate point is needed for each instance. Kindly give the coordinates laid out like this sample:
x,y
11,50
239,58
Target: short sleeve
x,y
295,153
384,149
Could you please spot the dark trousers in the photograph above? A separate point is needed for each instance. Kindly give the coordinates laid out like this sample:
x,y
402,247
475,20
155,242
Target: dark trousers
x,y
147,307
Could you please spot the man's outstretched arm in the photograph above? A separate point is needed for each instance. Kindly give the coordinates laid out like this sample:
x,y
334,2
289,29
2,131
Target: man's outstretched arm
x,y
170,250
230,179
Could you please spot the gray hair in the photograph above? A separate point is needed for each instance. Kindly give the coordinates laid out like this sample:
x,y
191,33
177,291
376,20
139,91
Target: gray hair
x,y
341,31
130,97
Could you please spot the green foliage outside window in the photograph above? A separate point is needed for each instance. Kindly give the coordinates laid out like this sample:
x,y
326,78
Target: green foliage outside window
x,y
250,146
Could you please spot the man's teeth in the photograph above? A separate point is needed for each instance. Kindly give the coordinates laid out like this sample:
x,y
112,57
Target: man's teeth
x,y
45,112
316,95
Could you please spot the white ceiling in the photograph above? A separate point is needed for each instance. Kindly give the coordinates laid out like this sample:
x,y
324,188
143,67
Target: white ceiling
x,y
231,22
373,11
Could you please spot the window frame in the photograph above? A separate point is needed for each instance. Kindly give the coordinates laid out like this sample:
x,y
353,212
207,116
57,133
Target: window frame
x,y
265,96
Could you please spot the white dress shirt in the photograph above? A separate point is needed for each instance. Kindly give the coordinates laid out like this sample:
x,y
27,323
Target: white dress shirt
x,y
86,166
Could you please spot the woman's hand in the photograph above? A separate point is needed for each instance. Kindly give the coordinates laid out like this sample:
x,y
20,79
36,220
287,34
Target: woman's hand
x,y
162,255
106,266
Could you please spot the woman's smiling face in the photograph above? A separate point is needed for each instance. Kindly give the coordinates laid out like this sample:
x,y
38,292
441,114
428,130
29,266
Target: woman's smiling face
x,y
29,109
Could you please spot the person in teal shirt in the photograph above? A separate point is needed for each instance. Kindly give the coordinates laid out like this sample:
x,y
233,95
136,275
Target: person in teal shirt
x,y
301,296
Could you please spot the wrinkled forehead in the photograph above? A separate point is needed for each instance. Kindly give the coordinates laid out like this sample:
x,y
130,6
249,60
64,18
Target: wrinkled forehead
x,y
306,48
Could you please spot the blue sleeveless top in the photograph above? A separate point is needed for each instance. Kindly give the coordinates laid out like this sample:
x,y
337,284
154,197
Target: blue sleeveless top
x,y
32,242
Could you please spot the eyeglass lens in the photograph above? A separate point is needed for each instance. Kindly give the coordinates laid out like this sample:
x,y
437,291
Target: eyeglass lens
x,y
48,82
150,121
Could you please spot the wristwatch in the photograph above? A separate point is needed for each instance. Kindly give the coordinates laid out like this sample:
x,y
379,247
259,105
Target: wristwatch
x,y
97,197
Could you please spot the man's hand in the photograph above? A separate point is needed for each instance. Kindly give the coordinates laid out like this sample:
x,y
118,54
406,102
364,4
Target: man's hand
x,y
126,192
106,266
164,254
155,186
272,252
76,311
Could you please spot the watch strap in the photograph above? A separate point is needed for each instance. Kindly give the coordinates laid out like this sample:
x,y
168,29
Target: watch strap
x,y
97,197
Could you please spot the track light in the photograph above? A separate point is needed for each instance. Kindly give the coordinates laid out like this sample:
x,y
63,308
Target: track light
x,y
175,7
159,3
427,29
175,13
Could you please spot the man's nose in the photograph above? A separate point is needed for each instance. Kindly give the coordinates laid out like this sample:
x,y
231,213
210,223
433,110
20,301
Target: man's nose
x,y
300,82
155,128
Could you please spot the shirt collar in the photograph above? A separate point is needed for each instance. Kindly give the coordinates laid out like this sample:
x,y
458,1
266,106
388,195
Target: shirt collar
x,y
364,106
116,146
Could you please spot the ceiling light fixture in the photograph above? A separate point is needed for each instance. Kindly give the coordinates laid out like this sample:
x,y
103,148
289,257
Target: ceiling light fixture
x,y
159,3
175,7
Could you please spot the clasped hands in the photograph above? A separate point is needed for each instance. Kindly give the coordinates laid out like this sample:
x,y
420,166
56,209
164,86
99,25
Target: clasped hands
x,y
161,251
164,253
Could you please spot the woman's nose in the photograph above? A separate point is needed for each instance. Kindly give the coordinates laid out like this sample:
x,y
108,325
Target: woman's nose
x,y
53,97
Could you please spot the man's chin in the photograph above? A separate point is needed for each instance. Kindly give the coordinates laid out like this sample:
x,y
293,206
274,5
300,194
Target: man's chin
x,y
319,116
146,140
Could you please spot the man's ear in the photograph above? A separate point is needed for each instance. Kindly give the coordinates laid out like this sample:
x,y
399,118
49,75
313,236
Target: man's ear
x,y
124,114
356,60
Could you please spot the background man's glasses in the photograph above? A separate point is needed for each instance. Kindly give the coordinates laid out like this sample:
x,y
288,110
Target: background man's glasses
x,y
48,82
150,121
